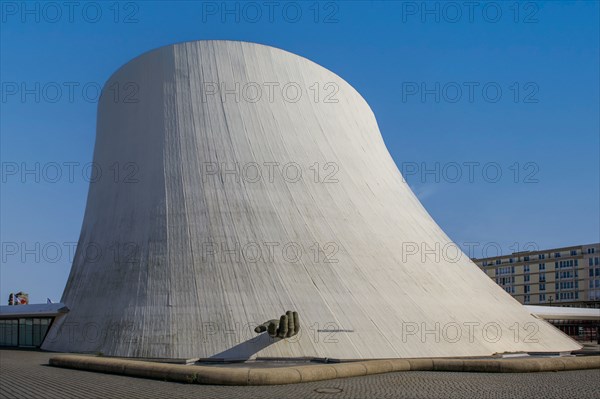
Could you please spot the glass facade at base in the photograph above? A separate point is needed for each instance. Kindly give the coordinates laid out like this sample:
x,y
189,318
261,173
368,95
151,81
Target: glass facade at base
x,y
25,332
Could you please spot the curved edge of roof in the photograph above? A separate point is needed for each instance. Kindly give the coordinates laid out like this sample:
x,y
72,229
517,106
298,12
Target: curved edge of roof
x,y
224,40
563,313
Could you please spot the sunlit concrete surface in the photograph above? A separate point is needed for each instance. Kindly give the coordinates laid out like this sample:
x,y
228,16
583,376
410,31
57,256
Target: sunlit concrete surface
x,y
252,181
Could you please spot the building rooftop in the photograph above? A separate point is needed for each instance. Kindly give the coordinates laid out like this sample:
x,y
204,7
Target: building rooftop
x,y
33,310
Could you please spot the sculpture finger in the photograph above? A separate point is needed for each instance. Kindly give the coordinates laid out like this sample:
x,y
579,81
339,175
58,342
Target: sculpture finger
x,y
272,328
283,327
296,322
261,328
290,318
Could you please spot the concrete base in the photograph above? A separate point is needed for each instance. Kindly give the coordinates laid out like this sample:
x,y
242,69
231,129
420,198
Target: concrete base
x,y
308,373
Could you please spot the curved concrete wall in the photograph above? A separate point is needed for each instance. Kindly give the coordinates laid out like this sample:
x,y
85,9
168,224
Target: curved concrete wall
x,y
181,257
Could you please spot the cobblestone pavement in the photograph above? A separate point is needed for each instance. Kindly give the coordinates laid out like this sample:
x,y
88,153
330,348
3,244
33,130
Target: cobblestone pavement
x,y
25,374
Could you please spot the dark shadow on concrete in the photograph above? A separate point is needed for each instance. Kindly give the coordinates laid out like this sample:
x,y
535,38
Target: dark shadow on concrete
x,y
244,351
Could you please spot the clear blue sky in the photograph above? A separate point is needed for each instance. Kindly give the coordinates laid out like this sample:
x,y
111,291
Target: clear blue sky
x,y
542,57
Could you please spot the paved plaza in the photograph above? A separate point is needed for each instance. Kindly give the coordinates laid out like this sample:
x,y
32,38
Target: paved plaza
x,y
25,374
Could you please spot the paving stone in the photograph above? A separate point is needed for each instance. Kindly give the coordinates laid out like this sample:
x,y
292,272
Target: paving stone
x,y
25,374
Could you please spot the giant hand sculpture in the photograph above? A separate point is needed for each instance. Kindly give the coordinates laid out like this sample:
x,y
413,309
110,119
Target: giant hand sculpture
x,y
287,326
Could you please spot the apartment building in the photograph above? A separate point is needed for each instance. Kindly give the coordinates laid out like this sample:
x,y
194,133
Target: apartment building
x,y
568,276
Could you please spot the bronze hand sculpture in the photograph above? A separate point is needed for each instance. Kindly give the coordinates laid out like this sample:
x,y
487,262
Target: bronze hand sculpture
x,y
287,326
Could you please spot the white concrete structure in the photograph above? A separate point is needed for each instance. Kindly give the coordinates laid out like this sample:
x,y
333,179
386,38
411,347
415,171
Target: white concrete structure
x,y
253,181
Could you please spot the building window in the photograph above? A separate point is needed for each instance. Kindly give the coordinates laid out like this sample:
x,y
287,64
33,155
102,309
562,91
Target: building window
x,y
510,260
526,289
27,332
542,287
573,252
557,254
526,258
542,266
526,299
542,297
498,261
9,333
591,250
526,268
542,277
512,269
542,256
526,278
591,262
